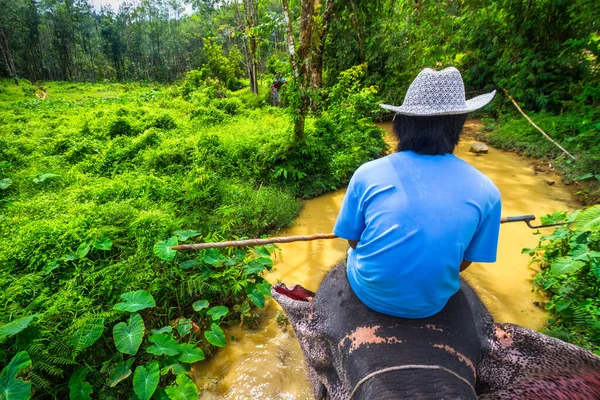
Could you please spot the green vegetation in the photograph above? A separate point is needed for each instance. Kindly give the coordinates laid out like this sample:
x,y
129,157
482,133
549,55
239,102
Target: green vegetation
x,y
570,276
577,131
100,181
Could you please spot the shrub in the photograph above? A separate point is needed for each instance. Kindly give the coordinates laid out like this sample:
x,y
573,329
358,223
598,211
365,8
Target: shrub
x,y
120,127
570,276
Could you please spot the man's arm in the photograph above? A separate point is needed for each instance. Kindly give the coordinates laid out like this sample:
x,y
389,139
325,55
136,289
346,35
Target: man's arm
x,y
353,244
464,265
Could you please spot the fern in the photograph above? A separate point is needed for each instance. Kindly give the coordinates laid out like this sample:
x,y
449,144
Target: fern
x,y
560,333
48,368
39,381
581,317
197,285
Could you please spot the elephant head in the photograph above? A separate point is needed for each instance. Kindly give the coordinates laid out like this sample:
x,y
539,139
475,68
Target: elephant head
x,y
353,352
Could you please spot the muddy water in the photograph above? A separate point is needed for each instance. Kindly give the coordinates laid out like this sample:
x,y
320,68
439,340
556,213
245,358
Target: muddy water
x,y
266,363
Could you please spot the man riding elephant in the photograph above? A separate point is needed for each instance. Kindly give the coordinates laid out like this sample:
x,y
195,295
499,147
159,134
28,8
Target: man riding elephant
x,y
416,218
396,321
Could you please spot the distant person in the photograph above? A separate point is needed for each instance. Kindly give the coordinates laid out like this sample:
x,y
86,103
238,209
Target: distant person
x,y
275,89
416,218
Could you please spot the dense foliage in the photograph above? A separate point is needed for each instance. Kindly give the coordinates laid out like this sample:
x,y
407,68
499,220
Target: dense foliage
x,y
100,181
577,131
570,276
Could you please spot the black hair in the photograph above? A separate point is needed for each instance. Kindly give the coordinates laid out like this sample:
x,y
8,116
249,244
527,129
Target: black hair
x,y
432,135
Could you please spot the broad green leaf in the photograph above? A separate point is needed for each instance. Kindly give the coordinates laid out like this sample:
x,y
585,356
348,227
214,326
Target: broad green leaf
x,y
189,264
4,164
215,336
190,353
145,380
579,252
16,326
163,249
594,254
266,261
562,305
171,365
83,250
529,252
257,298
213,257
161,394
69,257
163,344
122,372
595,268
128,336
573,216
12,387
585,176
185,389
135,301
217,312
200,305
254,268
565,265
87,335
184,235
79,389
103,243
261,251
54,264
264,287
42,177
5,183
588,220
164,329
578,238
184,327
555,217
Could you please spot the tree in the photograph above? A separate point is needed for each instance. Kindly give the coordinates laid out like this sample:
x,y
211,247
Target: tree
x,y
8,58
9,12
251,10
300,61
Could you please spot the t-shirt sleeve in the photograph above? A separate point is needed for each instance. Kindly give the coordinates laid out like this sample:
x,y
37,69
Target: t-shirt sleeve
x,y
350,222
484,245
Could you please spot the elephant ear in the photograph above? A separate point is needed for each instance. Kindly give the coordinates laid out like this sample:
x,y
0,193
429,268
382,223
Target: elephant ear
x,y
526,364
296,301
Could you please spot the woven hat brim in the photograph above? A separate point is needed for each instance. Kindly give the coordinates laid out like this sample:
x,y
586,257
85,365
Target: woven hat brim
x,y
470,105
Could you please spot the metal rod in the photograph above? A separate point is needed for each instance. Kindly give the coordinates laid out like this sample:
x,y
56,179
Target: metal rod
x,y
317,236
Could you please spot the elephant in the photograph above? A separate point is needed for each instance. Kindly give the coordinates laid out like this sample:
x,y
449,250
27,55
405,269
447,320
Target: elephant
x,y
353,352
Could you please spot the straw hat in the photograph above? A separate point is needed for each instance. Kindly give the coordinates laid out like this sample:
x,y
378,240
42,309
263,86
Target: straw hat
x,y
438,93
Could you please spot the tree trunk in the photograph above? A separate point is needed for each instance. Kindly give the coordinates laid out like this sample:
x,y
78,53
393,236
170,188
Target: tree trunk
x,y
290,37
301,61
316,66
8,59
251,10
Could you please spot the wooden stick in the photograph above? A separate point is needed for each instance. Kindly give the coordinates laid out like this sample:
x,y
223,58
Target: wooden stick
x,y
255,242
538,128
299,238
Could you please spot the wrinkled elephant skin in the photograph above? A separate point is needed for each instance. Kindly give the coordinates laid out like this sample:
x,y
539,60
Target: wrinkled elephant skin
x,y
353,352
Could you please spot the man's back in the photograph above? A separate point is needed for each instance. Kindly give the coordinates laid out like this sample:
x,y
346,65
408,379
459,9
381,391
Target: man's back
x,y
416,217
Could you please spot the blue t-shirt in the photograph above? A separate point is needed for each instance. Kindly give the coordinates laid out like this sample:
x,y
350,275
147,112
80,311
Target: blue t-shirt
x,y
416,217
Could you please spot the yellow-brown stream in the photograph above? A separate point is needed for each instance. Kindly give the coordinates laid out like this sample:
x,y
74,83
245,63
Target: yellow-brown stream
x,y
266,363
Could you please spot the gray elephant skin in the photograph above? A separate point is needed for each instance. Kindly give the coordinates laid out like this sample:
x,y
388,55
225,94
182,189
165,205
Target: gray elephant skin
x,y
353,352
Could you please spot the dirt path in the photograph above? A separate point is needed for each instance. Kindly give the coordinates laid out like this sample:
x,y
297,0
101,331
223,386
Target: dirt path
x,y
41,93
